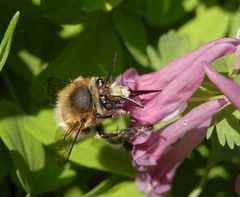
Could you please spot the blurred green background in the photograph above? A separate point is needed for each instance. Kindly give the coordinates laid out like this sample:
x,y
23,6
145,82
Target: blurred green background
x,y
68,38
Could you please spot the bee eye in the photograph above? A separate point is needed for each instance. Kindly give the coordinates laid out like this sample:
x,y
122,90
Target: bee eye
x,y
107,104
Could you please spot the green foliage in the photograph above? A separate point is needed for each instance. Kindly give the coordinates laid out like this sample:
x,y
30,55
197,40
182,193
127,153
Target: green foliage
x,y
170,46
68,38
199,28
227,126
7,40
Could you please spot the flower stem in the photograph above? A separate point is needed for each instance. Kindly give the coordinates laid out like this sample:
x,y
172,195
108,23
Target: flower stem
x,y
203,99
236,63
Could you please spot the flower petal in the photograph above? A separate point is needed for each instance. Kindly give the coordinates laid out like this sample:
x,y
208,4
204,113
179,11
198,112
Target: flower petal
x,y
228,87
157,180
147,154
178,81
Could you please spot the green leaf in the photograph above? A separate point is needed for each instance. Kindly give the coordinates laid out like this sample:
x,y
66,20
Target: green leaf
x,y
190,5
154,57
90,54
221,65
234,24
163,13
71,31
133,33
127,188
207,89
106,5
7,40
237,79
67,12
98,154
210,131
32,162
36,125
199,28
227,126
170,47
103,186
36,2
91,152
30,60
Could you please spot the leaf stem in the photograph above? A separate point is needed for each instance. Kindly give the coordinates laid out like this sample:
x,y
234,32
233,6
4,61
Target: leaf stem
x,y
202,99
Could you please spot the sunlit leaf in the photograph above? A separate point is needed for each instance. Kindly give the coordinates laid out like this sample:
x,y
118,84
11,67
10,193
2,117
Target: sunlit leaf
x,y
154,57
91,152
33,162
33,63
172,46
237,79
42,126
70,31
199,28
190,5
210,131
235,24
227,127
7,40
127,188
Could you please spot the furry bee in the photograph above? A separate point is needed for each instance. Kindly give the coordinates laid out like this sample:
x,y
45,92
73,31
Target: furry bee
x,y
84,103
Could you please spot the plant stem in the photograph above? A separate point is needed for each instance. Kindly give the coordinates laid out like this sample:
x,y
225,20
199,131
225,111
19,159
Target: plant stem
x,y
202,99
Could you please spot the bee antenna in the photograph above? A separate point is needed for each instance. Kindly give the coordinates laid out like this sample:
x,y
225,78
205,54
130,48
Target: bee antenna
x,y
141,92
114,59
132,101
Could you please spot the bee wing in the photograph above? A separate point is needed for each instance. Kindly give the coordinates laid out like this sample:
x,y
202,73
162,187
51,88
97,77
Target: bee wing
x,y
66,142
53,86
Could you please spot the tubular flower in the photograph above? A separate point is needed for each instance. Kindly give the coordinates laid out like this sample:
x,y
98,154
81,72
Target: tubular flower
x,y
156,155
178,81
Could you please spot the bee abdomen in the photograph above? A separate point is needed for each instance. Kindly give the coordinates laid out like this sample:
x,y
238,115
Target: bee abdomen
x,y
81,99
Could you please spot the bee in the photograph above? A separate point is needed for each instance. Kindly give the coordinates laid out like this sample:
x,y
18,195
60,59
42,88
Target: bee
x,y
84,102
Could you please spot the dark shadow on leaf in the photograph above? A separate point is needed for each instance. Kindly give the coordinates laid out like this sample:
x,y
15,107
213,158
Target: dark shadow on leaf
x,y
48,178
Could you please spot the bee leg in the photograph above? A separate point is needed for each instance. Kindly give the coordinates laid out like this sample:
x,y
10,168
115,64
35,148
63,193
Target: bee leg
x,y
102,134
117,137
121,137
127,146
107,116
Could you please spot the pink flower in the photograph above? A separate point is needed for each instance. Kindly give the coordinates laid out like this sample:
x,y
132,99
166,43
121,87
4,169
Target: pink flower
x,y
156,165
178,81
153,153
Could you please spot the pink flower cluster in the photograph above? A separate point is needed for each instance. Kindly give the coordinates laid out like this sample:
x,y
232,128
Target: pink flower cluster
x,y
156,155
